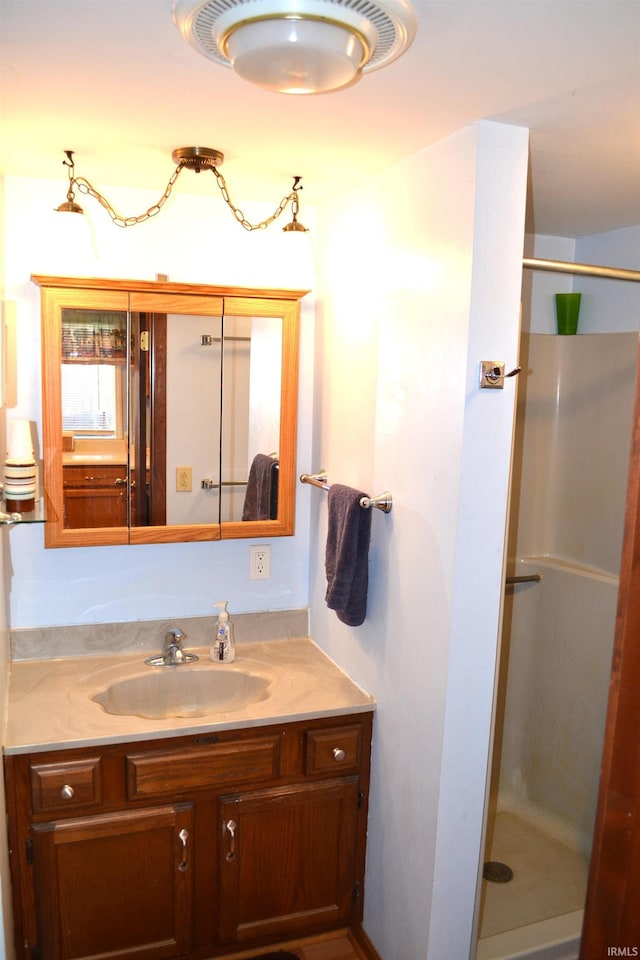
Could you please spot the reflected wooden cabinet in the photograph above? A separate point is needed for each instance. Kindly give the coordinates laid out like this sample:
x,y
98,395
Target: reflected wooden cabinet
x,y
95,496
194,846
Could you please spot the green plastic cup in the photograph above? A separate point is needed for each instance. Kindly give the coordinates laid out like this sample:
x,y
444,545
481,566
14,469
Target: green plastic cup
x,y
567,311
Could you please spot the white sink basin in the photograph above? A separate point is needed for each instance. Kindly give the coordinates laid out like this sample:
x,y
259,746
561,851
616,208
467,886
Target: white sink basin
x,y
183,691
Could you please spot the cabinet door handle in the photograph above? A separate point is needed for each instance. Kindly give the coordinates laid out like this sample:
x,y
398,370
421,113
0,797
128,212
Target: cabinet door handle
x,y
338,754
183,836
230,826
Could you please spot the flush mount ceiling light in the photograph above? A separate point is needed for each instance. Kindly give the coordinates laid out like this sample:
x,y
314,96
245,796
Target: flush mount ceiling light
x,y
298,46
192,158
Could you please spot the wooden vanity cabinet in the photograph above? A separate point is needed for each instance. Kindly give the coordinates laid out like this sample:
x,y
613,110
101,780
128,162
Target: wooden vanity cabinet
x,y
190,847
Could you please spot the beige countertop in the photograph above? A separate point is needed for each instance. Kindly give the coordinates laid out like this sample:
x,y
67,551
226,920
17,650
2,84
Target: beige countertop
x,y
51,706
93,459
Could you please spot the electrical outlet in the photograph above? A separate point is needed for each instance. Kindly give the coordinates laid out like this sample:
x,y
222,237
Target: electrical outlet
x,y
260,558
183,479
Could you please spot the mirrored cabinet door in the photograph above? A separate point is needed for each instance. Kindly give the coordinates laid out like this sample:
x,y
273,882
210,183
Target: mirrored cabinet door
x,y
85,415
175,410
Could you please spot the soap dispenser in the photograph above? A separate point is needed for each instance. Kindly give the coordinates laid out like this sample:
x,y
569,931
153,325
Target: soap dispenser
x,y
223,648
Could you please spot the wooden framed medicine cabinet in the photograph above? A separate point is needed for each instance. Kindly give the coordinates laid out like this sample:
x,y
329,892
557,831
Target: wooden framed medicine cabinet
x,y
169,411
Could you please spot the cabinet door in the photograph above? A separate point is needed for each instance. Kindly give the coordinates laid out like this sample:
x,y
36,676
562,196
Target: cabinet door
x,y
95,507
287,860
115,885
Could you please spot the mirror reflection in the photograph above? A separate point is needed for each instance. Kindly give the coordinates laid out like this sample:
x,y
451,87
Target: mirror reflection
x,y
176,413
175,410
94,416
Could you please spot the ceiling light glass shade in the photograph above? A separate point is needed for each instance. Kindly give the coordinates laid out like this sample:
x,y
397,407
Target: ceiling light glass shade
x,y
298,46
295,56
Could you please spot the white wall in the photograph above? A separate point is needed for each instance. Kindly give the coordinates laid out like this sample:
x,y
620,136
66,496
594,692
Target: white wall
x,y
606,305
421,274
5,886
610,304
538,288
195,239
193,416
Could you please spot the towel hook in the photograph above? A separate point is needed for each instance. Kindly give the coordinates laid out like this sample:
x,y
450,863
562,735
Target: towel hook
x,y
492,374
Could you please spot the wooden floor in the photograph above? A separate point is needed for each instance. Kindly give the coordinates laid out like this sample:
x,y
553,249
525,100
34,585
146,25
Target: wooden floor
x,y
336,946
337,949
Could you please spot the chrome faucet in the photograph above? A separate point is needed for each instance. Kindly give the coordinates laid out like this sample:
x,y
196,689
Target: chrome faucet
x,y
172,653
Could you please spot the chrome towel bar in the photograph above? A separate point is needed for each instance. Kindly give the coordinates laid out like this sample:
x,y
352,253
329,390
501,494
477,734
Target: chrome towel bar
x,y
383,502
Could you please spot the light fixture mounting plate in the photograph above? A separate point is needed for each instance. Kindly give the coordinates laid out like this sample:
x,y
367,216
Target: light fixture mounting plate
x,y
197,158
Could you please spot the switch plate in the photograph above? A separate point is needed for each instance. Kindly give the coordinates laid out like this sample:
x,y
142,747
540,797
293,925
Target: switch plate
x,y
183,479
260,562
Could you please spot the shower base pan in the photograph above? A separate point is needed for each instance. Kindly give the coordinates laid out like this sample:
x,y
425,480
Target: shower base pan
x,y
557,938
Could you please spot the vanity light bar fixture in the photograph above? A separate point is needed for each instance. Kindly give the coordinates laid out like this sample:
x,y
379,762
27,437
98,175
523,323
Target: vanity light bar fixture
x,y
191,158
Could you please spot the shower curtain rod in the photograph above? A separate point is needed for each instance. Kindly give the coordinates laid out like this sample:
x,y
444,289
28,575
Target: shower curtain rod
x,y
585,269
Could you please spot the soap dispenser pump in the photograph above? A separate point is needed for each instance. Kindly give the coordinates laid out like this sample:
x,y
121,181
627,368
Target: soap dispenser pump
x,y
223,649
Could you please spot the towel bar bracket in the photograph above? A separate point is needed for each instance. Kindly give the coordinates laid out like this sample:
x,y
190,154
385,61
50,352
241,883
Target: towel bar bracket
x,y
384,502
316,479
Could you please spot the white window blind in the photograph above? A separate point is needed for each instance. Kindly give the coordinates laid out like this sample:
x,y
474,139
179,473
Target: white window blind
x,y
90,399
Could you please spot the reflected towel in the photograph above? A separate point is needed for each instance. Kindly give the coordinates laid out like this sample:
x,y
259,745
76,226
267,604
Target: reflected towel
x,y
261,497
347,554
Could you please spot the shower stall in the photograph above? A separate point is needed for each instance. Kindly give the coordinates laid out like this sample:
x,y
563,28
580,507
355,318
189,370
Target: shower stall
x,y
573,430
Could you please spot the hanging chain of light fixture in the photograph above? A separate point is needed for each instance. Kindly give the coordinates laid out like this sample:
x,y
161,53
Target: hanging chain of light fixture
x,y
291,198
193,158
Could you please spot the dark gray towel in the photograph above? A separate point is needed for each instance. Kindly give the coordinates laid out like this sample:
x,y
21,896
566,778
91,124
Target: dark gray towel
x,y
261,496
347,554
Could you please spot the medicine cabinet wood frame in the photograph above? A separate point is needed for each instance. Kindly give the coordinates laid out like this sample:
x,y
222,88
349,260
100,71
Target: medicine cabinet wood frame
x,y
126,295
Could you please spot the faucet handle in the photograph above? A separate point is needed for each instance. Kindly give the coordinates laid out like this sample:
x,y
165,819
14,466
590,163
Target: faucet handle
x,y
175,636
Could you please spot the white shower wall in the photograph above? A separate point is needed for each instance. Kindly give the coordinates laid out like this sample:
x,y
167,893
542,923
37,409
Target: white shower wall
x,y
574,423
574,416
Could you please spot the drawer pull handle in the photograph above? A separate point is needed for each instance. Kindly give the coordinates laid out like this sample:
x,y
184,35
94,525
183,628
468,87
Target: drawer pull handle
x,y
230,826
67,792
338,754
183,837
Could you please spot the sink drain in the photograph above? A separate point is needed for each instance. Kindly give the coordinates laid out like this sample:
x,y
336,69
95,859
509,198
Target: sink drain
x,y
497,872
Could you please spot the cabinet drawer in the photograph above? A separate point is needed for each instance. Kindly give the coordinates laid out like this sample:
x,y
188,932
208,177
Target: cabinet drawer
x,y
332,750
95,475
65,786
226,763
